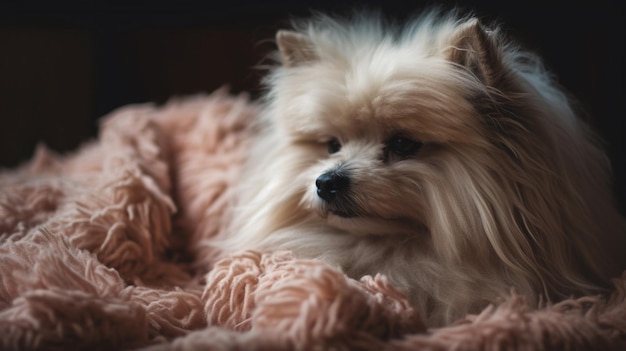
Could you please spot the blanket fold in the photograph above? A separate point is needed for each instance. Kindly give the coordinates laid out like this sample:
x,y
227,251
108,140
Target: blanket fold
x,y
110,247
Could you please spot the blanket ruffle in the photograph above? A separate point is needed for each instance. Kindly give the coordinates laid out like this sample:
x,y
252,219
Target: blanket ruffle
x,y
110,248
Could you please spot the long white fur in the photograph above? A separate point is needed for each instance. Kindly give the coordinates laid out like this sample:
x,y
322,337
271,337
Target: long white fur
x,y
519,198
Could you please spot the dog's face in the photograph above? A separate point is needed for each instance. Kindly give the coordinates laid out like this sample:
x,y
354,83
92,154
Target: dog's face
x,y
376,160
380,131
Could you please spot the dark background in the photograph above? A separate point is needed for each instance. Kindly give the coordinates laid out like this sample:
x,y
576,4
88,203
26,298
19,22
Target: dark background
x,y
65,64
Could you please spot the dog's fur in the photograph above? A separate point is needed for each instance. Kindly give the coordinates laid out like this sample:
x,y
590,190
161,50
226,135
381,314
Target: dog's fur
x,y
465,169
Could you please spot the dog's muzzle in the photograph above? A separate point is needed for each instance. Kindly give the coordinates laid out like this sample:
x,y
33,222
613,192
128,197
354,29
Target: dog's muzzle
x,y
331,184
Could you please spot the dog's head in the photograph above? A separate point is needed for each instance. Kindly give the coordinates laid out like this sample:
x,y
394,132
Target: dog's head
x,y
389,123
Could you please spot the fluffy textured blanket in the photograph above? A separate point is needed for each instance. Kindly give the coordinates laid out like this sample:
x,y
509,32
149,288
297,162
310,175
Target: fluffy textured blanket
x,y
110,248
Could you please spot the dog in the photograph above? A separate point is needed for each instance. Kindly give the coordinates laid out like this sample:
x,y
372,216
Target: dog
x,y
438,153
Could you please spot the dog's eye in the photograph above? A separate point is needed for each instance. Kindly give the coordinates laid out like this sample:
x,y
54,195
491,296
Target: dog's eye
x,y
333,146
403,146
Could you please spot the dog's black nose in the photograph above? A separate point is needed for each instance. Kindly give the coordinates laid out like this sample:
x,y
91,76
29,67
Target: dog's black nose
x,y
330,184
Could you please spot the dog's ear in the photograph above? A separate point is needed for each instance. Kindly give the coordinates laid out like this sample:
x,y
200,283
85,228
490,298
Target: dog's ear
x,y
295,48
474,48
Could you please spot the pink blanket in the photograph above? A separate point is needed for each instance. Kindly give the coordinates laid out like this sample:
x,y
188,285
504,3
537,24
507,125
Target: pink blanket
x,y
110,248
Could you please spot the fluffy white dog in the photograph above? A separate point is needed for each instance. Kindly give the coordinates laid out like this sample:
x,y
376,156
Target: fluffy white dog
x,y
437,153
